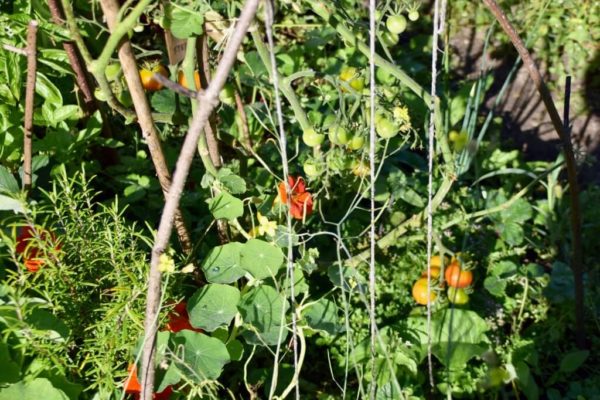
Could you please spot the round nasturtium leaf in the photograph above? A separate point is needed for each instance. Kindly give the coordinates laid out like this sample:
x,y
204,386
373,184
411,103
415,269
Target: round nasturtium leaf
x,y
261,259
223,265
202,358
213,306
262,308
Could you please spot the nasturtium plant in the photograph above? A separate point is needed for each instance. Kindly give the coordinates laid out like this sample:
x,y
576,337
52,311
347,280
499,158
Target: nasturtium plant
x,y
263,311
226,206
213,306
261,259
223,263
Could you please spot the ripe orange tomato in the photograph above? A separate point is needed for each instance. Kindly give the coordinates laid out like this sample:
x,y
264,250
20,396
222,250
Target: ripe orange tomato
x,y
435,272
183,82
436,261
458,278
419,292
148,81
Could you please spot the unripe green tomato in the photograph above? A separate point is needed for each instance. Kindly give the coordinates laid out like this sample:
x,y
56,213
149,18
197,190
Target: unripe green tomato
x,y
311,169
384,77
386,128
227,94
413,15
358,84
338,134
356,143
457,296
396,24
311,138
389,39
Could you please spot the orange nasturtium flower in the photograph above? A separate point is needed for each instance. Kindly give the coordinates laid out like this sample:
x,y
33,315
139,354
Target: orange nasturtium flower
x,y
180,320
300,202
28,240
133,386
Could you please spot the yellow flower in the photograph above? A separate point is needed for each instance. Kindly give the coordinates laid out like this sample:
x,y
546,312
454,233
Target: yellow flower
x,y
266,227
166,263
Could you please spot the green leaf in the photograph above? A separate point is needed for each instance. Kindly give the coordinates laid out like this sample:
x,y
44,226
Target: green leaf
x,y
213,306
456,335
503,269
223,265
10,371
226,206
323,316
573,360
164,101
8,183
562,284
46,89
495,285
36,389
261,259
203,357
185,23
233,183
44,320
511,232
520,211
235,349
262,308
526,381
8,203
64,113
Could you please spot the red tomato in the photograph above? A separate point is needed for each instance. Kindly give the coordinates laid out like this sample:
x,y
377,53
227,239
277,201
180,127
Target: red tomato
x,y
458,278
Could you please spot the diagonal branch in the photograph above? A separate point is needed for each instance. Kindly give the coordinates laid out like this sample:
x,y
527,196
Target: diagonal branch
x,y
144,116
536,77
208,100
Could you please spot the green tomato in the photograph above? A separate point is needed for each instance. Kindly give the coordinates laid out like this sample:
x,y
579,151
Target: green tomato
x,y
389,39
386,128
457,296
384,77
99,95
397,217
227,94
396,24
348,73
311,169
358,84
413,15
338,135
337,160
311,138
356,143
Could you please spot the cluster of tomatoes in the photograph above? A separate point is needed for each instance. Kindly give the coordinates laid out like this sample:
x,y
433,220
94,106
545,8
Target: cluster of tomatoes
x,y
458,280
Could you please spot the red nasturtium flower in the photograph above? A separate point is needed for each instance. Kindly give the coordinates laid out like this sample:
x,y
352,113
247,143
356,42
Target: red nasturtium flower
x,y
180,320
28,243
133,386
300,201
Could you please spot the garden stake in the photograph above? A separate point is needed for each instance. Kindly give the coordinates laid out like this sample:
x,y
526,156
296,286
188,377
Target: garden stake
x,y
208,100
559,126
372,178
29,97
144,113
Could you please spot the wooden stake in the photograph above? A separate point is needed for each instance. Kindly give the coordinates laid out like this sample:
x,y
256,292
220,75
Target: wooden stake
x,y
29,98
